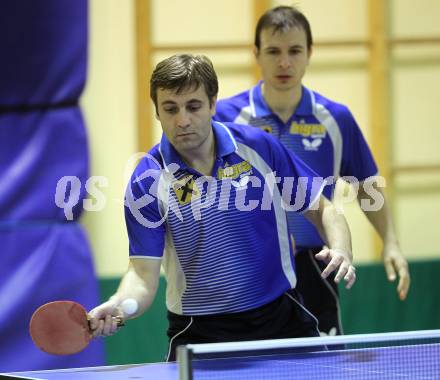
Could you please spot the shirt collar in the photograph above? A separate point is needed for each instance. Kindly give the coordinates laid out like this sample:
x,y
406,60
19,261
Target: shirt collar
x,y
305,106
226,145
261,109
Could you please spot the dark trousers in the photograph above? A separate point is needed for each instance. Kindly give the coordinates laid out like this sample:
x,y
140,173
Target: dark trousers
x,y
285,317
320,296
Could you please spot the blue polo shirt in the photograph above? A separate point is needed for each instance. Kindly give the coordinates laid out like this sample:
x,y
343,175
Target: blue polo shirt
x,y
223,239
321,132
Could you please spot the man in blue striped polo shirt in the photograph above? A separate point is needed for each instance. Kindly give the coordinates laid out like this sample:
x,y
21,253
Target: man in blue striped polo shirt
x,y
324,135
209,204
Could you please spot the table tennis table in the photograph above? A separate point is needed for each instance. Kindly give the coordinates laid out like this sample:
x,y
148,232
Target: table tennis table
x,y
413,361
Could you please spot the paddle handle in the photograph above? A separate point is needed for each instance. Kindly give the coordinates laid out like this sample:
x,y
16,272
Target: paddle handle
x,y
119,321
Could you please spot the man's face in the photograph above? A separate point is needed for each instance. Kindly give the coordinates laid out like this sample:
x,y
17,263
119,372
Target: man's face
x,y
283,58
185,117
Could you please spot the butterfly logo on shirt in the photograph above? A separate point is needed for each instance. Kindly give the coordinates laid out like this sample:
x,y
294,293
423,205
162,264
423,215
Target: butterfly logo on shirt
x,y
186,189
311,145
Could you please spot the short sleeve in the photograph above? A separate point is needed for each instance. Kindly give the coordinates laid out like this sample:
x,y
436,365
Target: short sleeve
x,y
357,159
144,220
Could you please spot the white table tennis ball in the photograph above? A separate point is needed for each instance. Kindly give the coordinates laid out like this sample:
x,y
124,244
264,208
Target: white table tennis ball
x,y
129,306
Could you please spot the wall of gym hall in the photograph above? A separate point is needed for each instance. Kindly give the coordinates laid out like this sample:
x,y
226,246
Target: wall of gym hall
x,y
340,68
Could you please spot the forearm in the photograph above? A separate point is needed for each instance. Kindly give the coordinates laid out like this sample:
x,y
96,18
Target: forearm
x,y
381,219
336,229
332,226
140,283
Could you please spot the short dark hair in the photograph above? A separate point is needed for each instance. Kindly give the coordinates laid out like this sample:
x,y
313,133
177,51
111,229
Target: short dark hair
x,y
184,71
282,19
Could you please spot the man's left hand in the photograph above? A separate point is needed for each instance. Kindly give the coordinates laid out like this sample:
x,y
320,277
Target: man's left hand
x,y
396,265
338,260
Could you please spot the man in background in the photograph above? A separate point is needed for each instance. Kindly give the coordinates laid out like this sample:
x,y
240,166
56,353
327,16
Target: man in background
x,y
325,136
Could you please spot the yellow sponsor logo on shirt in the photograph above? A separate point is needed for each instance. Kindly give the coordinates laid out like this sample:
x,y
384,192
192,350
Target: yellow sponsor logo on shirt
x,y
186,189
307,130
266,128
234,171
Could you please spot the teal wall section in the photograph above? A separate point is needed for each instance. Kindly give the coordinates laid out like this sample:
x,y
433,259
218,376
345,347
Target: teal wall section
x,y
370,306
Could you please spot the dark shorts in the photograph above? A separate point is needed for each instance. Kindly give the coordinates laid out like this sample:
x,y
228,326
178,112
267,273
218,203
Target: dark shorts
x,y
320,296
284,317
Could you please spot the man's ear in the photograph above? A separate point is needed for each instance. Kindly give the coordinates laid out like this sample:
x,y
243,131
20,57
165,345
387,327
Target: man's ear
x,y
256,51
213,103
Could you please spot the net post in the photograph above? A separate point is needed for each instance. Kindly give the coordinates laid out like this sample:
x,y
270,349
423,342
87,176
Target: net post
x,y
184,358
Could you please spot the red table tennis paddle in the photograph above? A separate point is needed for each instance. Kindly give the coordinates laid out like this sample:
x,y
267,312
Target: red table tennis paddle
x,y
61,328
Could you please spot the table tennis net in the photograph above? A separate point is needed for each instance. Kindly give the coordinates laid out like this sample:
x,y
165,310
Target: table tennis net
x,y
403,355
